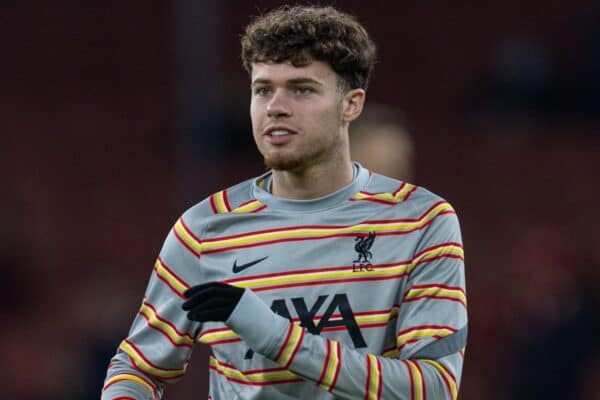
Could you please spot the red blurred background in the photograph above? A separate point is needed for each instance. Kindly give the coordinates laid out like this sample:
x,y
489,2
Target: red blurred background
x,y
117,116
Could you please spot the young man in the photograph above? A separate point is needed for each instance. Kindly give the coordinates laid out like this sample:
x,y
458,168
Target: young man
x,y
318,279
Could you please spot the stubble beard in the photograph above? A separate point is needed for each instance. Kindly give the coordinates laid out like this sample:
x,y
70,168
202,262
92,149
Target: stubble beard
x,y
290,162
303,159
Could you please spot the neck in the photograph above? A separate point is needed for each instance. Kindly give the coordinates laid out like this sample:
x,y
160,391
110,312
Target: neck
x,y
314,181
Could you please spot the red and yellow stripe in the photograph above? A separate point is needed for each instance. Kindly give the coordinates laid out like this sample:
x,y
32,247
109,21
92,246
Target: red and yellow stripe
x,y
144,382
220,203
213,337
365,320
321,276
416,333
167,328
447,376
139,361
331,366
344,274
418,390
251,206
373,384
392,352
442,250
316,232
299,233
170,278
399,195
262,377
187,238
436,292
291,344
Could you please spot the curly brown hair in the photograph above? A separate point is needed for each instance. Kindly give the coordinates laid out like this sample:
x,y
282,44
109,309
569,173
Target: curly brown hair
x,y
301,34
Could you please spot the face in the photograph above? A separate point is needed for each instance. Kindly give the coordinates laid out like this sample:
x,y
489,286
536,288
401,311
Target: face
x,y
297,114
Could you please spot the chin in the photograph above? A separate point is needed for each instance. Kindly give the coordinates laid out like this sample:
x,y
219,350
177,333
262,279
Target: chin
x,y
284,163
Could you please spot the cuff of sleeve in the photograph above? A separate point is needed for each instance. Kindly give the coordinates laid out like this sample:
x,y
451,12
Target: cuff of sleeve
x,y
127,390
261,329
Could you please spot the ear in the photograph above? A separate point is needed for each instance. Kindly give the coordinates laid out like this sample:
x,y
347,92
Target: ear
x,y
353,104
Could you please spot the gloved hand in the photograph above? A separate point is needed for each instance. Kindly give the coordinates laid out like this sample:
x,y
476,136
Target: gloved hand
x,y
213,301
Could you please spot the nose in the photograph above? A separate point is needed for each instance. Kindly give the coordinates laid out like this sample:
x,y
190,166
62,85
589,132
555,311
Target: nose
x,y
278,105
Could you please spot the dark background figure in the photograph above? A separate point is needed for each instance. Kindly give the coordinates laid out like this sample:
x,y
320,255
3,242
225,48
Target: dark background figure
x,y
380,141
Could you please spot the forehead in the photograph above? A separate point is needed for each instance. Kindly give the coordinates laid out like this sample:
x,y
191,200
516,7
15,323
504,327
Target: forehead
x,y
318,71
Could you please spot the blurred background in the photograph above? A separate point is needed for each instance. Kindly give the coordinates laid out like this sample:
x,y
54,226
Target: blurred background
x,y
117,116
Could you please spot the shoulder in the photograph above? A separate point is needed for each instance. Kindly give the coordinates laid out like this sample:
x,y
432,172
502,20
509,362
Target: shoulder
x,y
425,200
234,199
390,191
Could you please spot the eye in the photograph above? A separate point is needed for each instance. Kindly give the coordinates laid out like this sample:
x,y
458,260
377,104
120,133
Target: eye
x,y
261,90
303,90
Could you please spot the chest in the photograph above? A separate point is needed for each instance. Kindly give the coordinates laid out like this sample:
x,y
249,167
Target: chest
x,y
308,265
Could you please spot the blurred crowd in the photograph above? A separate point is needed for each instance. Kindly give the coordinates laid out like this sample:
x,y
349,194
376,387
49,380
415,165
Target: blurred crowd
x,y
94,174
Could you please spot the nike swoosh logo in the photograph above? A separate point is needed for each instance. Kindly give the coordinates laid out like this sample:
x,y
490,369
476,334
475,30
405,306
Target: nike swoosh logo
x,y
239,268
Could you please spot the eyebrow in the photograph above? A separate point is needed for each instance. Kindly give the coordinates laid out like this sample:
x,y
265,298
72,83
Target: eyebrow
x,y
295,81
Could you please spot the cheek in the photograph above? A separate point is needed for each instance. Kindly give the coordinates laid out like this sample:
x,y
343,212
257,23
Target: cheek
x,y
329,116
252,110
255,116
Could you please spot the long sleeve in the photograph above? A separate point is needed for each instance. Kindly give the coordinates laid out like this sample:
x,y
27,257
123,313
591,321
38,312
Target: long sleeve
x,y
159,343
430,332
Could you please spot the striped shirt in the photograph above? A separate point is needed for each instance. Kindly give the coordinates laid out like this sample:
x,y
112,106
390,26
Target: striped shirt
x,y
359,294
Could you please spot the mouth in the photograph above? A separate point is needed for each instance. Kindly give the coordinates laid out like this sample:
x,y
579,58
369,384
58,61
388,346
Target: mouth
x,y
279,131
279,135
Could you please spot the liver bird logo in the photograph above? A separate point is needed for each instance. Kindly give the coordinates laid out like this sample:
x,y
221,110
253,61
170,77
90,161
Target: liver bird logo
x,y
363,246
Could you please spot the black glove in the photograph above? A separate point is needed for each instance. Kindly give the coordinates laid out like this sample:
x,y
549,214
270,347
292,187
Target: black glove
x,y
213,301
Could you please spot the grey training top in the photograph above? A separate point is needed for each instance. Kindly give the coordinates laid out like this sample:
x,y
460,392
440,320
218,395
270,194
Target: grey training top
x,y
359,294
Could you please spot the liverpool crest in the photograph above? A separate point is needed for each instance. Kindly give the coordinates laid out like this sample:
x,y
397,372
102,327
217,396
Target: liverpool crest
x,y
363,246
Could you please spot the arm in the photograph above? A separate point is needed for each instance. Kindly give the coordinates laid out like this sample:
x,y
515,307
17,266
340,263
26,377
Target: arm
x,y
160,340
